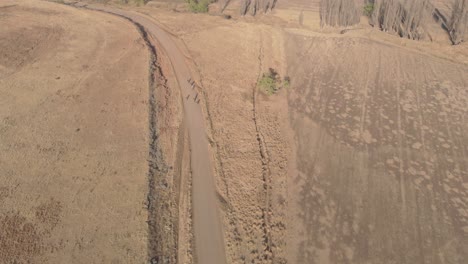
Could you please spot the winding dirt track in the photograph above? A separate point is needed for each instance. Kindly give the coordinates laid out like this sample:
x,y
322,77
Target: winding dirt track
x,y
209,242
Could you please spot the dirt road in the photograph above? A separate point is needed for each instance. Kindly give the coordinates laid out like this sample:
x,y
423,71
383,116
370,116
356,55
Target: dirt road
x,y
209,242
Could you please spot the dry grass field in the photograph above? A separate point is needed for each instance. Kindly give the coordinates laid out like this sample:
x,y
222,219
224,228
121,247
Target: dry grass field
x,y
361,158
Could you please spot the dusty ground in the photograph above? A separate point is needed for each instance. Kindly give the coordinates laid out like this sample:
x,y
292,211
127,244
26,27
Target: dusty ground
x,y
73,136
362,160
108,150
228,79
381,166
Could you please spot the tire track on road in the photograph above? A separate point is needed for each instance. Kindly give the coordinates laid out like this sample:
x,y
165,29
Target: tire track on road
x,y
209,241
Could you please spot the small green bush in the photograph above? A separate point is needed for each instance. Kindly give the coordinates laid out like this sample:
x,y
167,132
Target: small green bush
x,y
267,84
199,6
286,82
368,9
140,2
271,83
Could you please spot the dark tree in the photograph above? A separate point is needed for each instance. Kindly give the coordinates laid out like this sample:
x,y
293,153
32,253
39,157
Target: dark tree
x,y
339,13
256,6
458,26
403,17
245,5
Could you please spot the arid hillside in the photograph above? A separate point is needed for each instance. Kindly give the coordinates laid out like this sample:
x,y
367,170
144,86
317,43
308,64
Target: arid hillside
x,y
82,173
353,163
327,144
73,136
381,170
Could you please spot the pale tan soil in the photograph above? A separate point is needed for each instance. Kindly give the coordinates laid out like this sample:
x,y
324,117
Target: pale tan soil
x,y
228,78
207,228
381,154
229,82
334,191
166,148
73,136
362,160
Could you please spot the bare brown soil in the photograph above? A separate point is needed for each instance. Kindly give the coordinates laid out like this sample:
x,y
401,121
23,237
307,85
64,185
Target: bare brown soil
x,y
73,136
361,160
333,170
381,165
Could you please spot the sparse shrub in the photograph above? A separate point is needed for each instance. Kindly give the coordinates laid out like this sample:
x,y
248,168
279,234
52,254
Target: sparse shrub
x,y
140,2
271,83
286,82
267,84
134,2
199,6
368,9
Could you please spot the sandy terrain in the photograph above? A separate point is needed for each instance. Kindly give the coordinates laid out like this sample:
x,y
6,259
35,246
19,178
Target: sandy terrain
x,y
361,160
